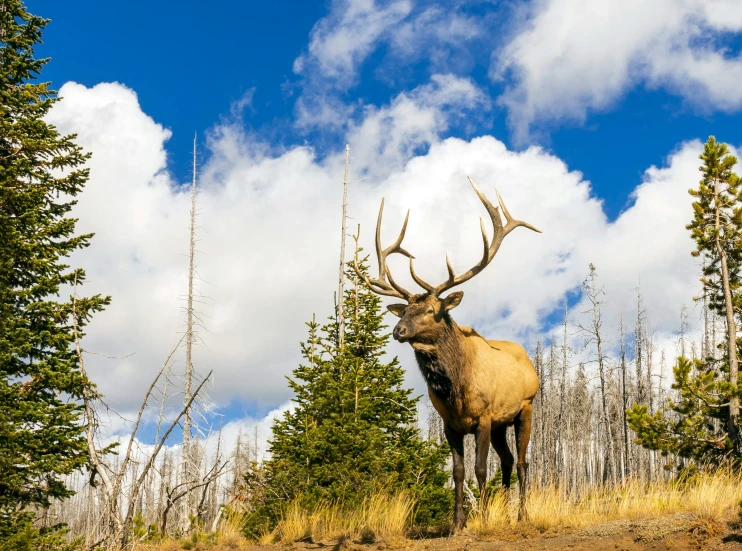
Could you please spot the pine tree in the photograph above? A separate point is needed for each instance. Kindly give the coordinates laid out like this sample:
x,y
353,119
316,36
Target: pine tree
x,y
352,432
717,230
690,432
41,437
707,388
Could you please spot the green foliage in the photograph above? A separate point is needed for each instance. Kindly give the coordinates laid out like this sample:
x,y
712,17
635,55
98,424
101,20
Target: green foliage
x,y
718,193
28,538
352,432
697,428
141,531
695,423
41,438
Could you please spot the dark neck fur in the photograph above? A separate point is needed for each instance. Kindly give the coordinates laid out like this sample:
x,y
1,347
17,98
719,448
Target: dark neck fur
x,y
441,361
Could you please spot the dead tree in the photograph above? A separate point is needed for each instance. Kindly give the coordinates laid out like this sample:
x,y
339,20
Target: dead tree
x,y
562,400
595,336
341,276
639,360
117,518
625,405
187,459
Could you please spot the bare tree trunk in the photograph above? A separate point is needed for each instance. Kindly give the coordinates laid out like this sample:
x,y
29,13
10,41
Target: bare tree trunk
x,y
625,403
595,332
97,468
562,398
341,275
541,414
551,436
187,467
640,391
639,347
650,397
138,481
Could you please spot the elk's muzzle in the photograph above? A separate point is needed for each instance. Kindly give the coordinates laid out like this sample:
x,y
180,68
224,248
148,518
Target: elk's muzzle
x,y
400,332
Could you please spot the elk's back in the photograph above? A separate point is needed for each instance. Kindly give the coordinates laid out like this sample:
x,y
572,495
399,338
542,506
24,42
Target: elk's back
x,y
524,365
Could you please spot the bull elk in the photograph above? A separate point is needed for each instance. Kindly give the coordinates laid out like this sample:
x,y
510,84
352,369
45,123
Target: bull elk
x,y
478,386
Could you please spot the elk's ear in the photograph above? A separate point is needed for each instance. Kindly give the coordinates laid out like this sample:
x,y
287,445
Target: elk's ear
x,y
397,309
452,300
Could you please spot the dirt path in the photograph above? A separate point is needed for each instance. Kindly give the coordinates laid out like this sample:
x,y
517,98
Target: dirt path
x,y
677,533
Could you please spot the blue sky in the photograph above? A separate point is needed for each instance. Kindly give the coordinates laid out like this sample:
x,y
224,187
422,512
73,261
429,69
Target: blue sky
x,y
189,64
589,121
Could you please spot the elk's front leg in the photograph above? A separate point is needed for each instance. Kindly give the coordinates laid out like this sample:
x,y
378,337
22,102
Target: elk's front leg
x,y
456,442
480,468
522,436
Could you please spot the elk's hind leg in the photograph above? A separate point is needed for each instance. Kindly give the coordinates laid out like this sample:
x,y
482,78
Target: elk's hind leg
x,y
522,436
500,445
456,442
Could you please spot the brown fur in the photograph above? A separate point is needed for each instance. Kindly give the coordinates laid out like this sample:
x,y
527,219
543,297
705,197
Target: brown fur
x,y
491,379
477,385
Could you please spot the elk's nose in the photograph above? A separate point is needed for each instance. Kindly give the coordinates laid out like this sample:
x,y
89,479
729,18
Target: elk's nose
x,y
399,332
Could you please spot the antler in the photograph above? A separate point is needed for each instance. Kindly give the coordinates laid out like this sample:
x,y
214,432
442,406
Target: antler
x,y
490,249
384,284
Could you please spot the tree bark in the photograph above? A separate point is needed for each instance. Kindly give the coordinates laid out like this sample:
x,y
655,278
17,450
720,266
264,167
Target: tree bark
x,y
731,326
189,350
341,275
601,372
625,403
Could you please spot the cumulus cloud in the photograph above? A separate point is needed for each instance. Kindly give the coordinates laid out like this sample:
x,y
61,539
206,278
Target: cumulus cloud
x,y
353,30
567,57
269,235
340,41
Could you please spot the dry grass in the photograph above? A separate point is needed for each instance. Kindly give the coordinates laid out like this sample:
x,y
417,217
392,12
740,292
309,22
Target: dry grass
x,y
710,496
228,537
229,533
381,517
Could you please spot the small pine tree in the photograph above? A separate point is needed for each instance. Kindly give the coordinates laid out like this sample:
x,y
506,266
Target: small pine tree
x,y
41,433
352,432
702,422
689,431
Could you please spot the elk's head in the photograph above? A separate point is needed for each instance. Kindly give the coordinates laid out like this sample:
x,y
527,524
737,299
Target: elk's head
x,y
426,315
423,317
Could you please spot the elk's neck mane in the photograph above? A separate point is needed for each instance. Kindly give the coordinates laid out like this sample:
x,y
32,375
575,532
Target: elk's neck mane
x,y
442,361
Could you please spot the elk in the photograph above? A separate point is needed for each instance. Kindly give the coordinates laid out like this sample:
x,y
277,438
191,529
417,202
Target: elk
x,y
477,386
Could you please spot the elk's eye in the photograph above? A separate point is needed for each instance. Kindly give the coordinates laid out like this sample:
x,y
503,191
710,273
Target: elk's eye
x,y
430,311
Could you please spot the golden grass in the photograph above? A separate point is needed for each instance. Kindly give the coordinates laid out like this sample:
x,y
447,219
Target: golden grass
x,y
380,517
712,496
229,533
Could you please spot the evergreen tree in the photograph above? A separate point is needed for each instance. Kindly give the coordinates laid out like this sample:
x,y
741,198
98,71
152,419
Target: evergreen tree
x,y
41,437
352,431
689,431
717,230
702,423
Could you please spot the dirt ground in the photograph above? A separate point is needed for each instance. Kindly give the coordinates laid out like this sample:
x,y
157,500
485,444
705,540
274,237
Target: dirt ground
x,y
678,533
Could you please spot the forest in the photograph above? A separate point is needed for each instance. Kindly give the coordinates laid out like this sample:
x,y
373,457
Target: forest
x,y
621,430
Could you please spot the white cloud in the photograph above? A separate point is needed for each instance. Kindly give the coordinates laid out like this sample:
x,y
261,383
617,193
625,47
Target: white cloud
x,y
388,136
342,40
269,225
354,29
568,57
